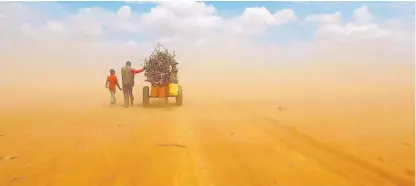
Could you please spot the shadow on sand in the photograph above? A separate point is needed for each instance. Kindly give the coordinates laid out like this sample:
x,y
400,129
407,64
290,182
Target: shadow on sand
x,y
152,105
158,105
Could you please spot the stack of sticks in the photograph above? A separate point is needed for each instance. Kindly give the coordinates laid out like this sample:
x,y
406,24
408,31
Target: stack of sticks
x,y
161,67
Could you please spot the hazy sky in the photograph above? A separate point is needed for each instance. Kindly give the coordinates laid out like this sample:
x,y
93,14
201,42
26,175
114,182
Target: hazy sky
x,y
88,38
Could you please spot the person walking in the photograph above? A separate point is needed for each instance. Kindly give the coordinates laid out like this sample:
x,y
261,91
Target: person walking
x,y
111,84
127,78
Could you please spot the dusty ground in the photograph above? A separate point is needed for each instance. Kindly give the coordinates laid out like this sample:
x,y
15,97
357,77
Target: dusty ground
x,y
75,139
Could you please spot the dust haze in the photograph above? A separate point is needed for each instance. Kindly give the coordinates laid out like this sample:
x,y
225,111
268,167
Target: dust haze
x,y
53,100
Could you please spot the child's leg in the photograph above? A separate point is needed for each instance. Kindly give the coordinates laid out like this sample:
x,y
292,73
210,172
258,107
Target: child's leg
x,y
113,97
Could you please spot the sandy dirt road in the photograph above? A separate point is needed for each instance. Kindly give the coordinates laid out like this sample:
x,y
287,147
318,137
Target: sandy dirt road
x,y
200,144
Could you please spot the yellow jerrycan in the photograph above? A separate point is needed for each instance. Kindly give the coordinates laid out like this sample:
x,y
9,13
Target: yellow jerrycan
x,y
173,89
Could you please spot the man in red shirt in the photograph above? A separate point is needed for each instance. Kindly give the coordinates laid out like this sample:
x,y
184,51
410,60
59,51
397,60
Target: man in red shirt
x,y
127,76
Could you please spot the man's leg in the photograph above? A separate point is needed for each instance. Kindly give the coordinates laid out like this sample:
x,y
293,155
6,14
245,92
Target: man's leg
x,y
126,95
131,95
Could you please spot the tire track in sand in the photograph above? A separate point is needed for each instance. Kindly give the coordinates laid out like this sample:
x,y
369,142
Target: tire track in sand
x,y
237,152
193,153
357,170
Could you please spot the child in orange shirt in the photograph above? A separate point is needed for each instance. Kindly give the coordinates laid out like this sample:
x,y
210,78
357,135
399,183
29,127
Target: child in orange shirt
x,y
111,83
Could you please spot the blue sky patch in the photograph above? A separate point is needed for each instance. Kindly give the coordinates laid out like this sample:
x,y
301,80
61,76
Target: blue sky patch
x,y
286,33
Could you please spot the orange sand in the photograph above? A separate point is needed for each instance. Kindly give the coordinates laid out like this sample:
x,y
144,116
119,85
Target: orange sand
x,y
273,137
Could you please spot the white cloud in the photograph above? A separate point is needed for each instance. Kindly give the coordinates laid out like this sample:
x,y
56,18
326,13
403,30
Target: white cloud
x,y
325,18
361,30
55,26
199,33
263,16
189,19
256,20
362,15
124,11
89,22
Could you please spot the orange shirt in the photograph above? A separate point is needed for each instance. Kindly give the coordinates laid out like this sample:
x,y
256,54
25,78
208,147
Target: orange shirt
x,y
112,82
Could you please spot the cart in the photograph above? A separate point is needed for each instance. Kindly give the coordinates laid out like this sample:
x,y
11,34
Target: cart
x,y
163,91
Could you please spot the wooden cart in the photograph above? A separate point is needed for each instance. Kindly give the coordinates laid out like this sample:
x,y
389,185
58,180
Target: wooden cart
x,y
163,91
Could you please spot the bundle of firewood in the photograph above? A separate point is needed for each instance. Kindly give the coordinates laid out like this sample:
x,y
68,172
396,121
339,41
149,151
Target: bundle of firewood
x,y
161,67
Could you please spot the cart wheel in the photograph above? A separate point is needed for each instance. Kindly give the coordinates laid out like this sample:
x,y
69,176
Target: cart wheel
x,y
179,97
145,96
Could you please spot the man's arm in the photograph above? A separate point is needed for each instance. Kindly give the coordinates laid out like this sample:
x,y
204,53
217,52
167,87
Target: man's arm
x,y
106,83
122,74
135,71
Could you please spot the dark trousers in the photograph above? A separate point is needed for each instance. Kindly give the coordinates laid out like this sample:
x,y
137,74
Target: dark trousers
x,y
128,95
